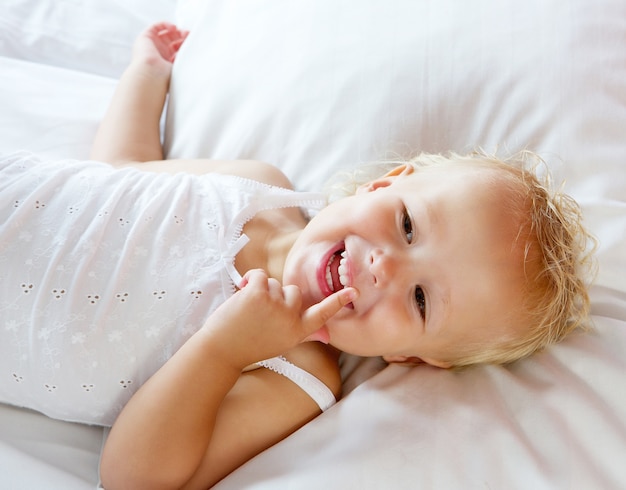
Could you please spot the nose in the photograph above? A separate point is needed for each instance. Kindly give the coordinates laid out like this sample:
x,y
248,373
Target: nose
x,y
383,267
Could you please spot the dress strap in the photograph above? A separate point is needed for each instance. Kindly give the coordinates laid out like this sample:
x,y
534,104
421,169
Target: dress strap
x,y
228,258
321,394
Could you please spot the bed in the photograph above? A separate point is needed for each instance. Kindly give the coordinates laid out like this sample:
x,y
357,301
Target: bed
x,y
324,85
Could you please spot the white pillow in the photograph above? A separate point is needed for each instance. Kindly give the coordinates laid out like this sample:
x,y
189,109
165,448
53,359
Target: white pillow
x,y
94,36
316,86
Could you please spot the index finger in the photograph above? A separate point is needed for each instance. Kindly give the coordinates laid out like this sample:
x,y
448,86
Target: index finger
x,y
316,316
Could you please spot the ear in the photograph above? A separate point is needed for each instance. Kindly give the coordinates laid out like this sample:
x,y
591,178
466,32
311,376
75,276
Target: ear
x,y
387,179
400,170
414,361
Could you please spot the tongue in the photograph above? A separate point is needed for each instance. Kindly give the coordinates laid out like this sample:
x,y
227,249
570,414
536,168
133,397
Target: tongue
x,y
334,272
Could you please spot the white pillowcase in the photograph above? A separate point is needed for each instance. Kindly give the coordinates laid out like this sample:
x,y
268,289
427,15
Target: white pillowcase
x,y
317,86
93,36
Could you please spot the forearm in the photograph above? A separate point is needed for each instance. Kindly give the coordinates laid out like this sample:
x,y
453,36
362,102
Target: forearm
x,y
163,433
130,130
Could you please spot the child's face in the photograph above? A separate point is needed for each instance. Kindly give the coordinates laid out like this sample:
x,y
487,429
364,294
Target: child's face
x,y
431,254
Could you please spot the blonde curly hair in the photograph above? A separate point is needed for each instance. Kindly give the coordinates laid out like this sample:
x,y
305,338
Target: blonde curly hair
x,y
557,250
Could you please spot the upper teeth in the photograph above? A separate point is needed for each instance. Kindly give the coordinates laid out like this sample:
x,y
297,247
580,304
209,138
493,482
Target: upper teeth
x,y
344,279
343,270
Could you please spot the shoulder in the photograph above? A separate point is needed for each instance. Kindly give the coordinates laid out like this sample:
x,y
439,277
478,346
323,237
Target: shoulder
x,y
249,169
319,360
255,170
262,409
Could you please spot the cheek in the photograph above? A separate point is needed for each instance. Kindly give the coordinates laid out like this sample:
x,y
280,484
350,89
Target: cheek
x,y
381,321
395,327
385,305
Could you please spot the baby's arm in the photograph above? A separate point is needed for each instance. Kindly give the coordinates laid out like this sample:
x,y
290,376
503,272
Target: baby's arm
x,y
129,134
130,129
171,433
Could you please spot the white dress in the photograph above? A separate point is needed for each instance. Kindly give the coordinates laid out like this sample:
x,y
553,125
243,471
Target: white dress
x,y
105,273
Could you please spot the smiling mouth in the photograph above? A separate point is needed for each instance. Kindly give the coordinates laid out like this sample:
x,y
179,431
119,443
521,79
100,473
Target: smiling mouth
x,y
335,275
337,271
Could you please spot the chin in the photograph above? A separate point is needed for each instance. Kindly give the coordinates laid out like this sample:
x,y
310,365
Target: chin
x,y
348,348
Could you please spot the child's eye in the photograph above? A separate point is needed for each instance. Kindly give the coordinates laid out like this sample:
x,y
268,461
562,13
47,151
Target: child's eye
x,y
407,226
420,299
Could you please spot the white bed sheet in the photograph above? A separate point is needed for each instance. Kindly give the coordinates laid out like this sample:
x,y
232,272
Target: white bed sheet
x,y
557,420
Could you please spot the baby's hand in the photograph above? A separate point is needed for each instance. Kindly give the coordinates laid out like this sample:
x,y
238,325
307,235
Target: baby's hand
x,y
264,319
158,45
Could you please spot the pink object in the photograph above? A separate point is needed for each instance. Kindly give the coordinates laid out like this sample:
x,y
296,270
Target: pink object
x,y
320,335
